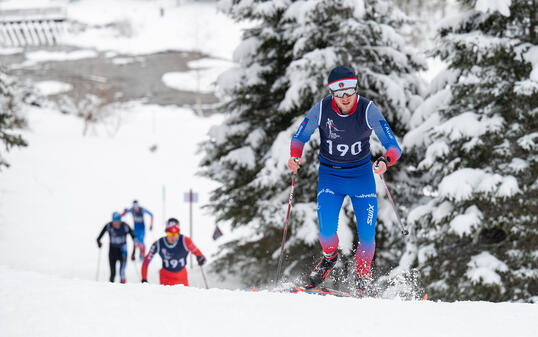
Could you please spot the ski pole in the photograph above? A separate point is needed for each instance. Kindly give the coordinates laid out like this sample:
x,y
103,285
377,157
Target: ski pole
x,y
404,230
98,265
203,276
285,228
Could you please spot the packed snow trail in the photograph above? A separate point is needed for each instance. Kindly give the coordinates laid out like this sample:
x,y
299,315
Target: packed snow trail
x,y
35,304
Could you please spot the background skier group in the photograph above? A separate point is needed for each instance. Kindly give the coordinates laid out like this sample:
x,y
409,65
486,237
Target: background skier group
x,y
173,248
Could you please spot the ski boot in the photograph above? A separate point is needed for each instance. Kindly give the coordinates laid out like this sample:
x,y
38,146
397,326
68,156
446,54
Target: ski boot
x,y
324,267
364,287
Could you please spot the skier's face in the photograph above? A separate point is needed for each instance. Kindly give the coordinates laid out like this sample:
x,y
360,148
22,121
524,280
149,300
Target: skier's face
x,y
116,224
345,103
172,237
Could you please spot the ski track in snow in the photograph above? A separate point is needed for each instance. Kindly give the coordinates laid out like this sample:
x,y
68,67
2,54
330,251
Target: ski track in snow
x,y
39,305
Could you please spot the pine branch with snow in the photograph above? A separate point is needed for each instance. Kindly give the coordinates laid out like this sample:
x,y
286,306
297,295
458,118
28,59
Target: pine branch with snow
x,y
13,96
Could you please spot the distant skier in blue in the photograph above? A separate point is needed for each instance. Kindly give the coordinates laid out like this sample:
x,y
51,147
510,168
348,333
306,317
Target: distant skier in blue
x,y
345,122
117,232
139,227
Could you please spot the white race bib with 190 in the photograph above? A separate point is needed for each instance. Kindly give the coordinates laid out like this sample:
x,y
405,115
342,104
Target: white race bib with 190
x,y
344,148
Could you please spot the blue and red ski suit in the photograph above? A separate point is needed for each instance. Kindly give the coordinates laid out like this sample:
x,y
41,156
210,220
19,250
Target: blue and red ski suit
x,y
174,258
346,169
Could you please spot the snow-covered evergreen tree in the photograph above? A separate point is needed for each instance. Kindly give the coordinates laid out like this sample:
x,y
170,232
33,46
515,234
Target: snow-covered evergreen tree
x,y
12,96
426,14
476,140
284,60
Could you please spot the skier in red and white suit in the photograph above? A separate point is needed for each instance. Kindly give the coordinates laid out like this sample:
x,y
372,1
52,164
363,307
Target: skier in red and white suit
x,y
173,249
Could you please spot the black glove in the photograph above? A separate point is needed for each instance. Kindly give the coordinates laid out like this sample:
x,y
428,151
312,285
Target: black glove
x,y
99,244
144,281
200,259
384,159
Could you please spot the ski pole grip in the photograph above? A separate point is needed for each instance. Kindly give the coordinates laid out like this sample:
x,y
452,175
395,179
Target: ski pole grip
x,y
384,159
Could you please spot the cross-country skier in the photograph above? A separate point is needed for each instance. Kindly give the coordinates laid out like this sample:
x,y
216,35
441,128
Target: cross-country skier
x,y
345,122
139,227
173,249
117,232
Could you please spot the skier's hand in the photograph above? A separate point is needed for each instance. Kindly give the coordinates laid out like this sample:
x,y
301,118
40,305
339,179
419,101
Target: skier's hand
x,y
144,281
99,244
201,260
294,164
380,165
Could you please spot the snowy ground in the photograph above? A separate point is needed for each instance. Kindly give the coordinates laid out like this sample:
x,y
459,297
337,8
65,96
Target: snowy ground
x,y
38,305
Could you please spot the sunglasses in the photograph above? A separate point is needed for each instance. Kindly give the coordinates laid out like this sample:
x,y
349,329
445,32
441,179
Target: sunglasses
x,y
340,93
172,234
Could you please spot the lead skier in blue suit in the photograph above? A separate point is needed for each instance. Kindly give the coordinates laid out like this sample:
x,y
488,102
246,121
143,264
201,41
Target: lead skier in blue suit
x,y
345,122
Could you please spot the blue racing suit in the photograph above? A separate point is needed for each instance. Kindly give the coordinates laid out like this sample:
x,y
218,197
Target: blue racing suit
x,y
346,169
139,227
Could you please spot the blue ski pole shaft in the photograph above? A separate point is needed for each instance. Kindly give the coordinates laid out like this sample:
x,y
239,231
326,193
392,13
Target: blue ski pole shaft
x,y
285,228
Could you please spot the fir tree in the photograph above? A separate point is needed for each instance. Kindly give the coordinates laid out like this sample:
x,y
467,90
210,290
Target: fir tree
x,y
426,14
284,63
476,137
12,97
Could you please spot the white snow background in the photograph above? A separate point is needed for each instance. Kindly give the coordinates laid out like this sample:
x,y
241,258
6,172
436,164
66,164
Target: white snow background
x,y
62,189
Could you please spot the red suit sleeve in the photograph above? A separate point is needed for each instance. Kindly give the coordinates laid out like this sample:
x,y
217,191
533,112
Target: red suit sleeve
x,y
191,247
148,259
